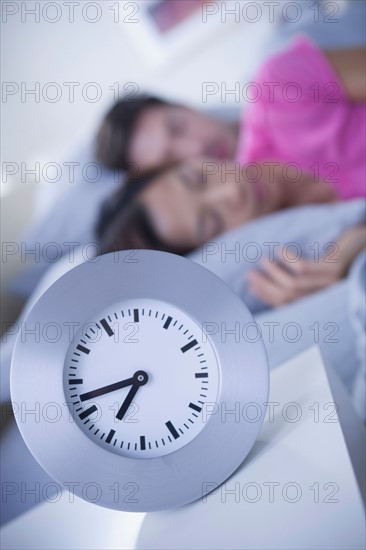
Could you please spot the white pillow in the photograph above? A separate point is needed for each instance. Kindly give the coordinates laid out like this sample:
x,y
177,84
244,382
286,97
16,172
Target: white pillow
x,y
70,217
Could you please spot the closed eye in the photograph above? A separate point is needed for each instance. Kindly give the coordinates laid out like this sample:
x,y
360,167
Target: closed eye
x,y
192,179
176,125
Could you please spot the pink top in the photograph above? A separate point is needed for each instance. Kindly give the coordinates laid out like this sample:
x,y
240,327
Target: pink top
x,y
302,115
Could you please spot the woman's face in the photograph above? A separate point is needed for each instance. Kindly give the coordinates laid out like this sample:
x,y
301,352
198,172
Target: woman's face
x,y
197,199
167,134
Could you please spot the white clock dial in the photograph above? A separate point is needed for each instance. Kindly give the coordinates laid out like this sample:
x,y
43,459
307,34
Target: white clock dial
x,y
138,377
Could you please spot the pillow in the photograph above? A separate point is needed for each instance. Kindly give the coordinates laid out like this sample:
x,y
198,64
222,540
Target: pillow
x,y
65,215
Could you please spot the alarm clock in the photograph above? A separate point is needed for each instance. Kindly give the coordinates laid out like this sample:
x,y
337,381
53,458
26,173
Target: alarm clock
x,y
141,381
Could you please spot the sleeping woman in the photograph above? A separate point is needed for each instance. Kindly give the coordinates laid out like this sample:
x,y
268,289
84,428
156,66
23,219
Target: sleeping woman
x,y
180,207
302,140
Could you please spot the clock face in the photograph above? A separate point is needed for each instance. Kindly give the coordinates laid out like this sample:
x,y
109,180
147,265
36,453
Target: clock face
x,y
138,376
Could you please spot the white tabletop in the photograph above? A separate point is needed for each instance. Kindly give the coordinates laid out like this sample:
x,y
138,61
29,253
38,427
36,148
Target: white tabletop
x,y
315,502
305,461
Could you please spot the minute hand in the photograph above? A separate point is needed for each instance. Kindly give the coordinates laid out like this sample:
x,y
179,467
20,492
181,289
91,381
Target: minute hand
x,y
107,389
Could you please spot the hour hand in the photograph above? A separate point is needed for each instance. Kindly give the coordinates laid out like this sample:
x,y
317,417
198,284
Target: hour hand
x,y
140,379
127,402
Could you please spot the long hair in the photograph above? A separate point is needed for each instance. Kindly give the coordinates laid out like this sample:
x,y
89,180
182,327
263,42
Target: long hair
x,y
124,223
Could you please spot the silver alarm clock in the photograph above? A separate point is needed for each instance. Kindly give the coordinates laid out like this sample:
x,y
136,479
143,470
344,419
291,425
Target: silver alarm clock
x,y
144,390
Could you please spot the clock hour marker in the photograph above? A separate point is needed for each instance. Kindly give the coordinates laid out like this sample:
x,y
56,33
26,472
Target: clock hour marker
x,y
135,315
83,349
167,322
106,327
75,381
142,442
172,430
189,346
109,436
195,407
201,375
88,412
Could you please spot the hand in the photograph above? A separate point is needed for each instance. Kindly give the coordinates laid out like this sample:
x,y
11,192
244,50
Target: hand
x,y
127,402
107,389
279,285
286,281
139,378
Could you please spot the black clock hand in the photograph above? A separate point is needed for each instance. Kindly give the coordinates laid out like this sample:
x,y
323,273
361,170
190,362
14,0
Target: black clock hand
x,y
127,402
140,379
107,389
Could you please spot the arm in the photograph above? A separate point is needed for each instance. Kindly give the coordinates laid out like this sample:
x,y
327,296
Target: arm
x,y
350,66
284,282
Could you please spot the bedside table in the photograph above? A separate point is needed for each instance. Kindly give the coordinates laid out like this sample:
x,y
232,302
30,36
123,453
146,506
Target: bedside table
x,y
295,490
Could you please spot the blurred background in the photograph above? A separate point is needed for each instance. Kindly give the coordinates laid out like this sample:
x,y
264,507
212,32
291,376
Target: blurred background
x,y
64,65
118,47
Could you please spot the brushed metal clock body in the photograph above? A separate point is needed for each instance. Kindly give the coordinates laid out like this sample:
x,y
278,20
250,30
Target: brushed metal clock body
x,y
57,441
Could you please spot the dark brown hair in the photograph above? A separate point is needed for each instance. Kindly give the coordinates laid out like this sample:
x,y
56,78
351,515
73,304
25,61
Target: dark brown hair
x,y
114,135
124,223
